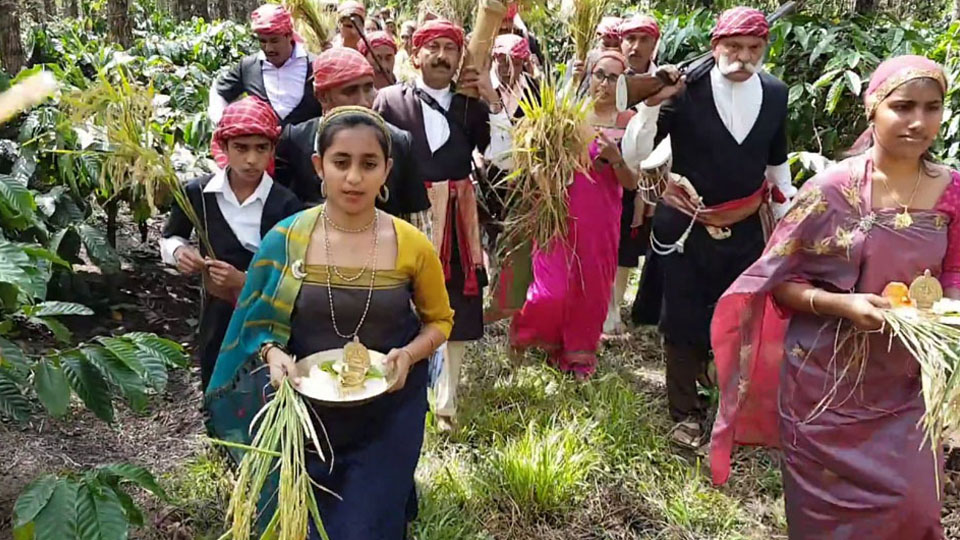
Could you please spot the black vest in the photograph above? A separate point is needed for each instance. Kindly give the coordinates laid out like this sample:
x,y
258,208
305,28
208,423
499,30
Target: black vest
x,y
247,78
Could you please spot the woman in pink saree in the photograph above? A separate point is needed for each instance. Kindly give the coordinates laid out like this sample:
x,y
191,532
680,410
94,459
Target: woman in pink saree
x,y
785,333
572,278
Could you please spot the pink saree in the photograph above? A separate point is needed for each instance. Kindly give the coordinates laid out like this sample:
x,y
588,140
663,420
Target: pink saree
x,y
853,465
572,278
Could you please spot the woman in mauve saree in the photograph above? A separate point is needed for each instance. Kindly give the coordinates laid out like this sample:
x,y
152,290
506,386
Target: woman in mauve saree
x,y
567,302
801,357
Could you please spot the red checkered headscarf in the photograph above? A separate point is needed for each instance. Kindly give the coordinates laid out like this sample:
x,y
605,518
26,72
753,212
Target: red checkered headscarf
x,y
741,21
337,66
613,55
271,20
249,116
350,8
437,28
512,10
512,45
377,39
640,24
609,27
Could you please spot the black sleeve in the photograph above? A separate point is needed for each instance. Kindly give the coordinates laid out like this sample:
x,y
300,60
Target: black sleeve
x,y
295,150
778,146
413,196
668,111
480,125
536,50
230,84
177,222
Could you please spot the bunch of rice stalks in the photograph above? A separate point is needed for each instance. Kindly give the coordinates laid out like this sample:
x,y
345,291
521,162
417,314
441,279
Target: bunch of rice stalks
x,y
135,154
31,91
314,23
278,446
550,145
461,12
583,23
936,346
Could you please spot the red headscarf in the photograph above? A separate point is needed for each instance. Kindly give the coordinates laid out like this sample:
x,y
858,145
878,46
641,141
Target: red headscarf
x,y
437,28
741,21
613,55
609,27
338,66
896,72
377,39
512,45
350,8
248,116
640,24
271,20
512,10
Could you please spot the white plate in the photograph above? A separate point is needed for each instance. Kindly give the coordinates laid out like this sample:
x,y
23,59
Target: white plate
x,y
322,387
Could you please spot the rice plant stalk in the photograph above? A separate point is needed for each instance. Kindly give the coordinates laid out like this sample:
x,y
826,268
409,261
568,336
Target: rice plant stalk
x,y
583,24
312,22
282,429
136,157
550,146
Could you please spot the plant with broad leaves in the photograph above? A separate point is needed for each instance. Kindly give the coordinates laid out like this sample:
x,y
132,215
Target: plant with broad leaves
x,y
91,505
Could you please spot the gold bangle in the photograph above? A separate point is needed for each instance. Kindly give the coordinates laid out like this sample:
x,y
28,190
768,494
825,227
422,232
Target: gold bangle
x,y
813,296
265,349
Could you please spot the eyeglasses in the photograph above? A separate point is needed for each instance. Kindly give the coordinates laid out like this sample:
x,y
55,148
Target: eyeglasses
x,y
600,76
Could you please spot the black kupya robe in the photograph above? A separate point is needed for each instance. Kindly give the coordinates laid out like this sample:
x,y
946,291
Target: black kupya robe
x,y
295,169
247,78
469,121
686,286
215,314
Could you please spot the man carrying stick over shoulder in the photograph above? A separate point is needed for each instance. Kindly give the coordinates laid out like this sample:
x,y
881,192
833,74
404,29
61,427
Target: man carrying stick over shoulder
x,y
447,128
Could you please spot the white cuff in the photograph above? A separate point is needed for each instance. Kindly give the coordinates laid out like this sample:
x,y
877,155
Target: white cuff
x,y
169,246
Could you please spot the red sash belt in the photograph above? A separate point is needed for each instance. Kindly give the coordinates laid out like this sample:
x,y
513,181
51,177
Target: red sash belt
x,y
455,201
723,214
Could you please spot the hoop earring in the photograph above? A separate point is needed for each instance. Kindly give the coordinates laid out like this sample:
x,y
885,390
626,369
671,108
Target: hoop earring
x,y
384,194
323,189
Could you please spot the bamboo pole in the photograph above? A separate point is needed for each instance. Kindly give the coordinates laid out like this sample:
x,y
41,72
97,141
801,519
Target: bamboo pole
x,y
490,14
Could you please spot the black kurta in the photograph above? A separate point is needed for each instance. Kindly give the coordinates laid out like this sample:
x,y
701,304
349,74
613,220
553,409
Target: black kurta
x,y
721,170
295,169
216,313
469,130
247,78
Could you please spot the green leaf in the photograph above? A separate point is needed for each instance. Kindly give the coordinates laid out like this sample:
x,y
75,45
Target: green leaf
x,y
53,309
12,402
853,59
87,382
43,253
25,166
32,500
127,353
58,519
11,355
834,95
51,387
100,515
854,83
130,508
826,78
117,372
99,249
171,351
137,475
16,196
821,47
27,532
795,92
57,328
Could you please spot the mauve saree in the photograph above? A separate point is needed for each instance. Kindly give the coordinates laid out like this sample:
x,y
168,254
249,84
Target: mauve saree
x,y
853,463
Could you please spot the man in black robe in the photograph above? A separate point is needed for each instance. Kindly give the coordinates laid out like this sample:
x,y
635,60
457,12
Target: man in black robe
x,y
280,74
447,129
238,205
729,145
344,77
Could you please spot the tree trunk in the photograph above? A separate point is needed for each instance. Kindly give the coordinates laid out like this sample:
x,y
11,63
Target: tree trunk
x,y
120,30
72,9
956,9
184,10
11,48
222,9
864,6
201,8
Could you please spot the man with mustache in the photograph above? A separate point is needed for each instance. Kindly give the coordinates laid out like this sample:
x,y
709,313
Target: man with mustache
x,y
729,145
344,77
279,74
447,128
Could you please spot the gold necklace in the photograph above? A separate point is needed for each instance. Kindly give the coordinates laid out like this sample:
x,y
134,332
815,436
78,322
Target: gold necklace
x,y
904,219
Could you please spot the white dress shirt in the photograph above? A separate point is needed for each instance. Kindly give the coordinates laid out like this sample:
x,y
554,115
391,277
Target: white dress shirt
x,y
738,104
437,128
243,218
284,84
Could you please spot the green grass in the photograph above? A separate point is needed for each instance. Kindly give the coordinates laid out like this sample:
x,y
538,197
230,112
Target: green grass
x,y
541,456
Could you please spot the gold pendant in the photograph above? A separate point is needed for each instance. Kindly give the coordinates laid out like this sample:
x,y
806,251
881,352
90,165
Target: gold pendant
x,y
356,364
903,220
925,291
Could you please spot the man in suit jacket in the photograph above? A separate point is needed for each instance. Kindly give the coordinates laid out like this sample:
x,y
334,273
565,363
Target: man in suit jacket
x,y
344,77
280,74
